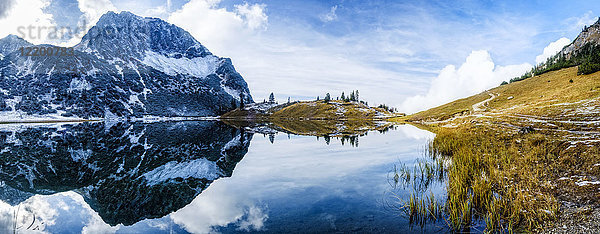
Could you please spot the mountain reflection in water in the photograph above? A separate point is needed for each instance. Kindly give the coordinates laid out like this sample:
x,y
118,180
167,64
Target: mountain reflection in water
x,y
179,177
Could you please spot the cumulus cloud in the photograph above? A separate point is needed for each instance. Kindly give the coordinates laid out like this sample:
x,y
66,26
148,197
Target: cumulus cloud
x,y
158,12
552,49
158,9
94,9
36,213
217,207
291,59
254,15
329,16
476,74
94,223
217,28
27,19
5,6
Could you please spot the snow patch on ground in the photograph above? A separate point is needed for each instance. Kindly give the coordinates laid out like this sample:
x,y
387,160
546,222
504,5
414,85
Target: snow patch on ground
x,y
234,93
261,106
584,183
199,168
22,117
79,154
232,143
197,67
79,84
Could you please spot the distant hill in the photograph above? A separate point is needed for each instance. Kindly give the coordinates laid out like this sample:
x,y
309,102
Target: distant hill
x,y
315,118
310,110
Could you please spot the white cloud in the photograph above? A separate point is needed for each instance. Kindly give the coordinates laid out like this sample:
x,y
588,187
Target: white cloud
x,y
216,207
41,212
26,18
216,27
35,213
295,58
5,5
254,15
577,23
94,223
329,16
552,49
158,12
476,74
292,60
94,9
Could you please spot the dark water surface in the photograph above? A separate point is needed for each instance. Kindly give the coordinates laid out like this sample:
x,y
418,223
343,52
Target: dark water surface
x,y
201,177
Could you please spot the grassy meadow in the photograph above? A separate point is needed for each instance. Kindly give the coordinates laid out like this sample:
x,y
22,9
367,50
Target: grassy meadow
x,y
520,157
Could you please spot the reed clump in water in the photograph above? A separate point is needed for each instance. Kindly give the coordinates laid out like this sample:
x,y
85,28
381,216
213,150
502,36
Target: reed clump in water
x,y
493,178
422,206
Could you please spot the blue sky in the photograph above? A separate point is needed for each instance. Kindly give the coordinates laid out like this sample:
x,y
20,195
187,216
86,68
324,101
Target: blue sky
x,y
409,54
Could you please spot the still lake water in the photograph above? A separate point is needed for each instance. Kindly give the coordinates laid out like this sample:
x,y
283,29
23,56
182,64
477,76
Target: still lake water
x,y
200,177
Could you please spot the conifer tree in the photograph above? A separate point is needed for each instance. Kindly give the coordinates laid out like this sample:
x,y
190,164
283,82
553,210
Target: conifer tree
x,y
241,101
271,98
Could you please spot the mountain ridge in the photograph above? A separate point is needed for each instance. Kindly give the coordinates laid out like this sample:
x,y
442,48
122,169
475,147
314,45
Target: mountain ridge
x,y
125,66
589,34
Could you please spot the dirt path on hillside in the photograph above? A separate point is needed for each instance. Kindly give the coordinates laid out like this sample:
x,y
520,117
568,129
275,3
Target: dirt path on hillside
x,y
480,106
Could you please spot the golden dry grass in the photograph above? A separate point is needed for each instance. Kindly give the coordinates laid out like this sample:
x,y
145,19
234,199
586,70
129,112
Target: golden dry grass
x,y
512,180
318,118
443,112
329,127
334,110
534,96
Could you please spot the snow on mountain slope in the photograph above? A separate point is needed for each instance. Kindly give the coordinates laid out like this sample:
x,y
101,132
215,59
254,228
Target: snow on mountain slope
x,y
199,169
125,66
197,67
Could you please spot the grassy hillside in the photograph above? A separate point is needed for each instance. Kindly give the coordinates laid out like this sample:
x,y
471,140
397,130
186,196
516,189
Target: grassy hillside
x,y
320,118
329,127
549,94
333,110
521,152
312,110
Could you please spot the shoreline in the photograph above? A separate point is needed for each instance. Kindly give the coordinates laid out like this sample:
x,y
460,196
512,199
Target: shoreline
x,y
533,143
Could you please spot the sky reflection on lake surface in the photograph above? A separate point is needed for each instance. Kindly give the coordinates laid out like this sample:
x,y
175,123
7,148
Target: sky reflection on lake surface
x,y
296,184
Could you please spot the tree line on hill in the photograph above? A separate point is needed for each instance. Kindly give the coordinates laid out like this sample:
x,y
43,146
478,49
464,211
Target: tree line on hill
x,y
354,96
587,58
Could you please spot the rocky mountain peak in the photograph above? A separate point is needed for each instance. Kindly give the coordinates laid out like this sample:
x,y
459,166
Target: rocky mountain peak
x,y
125,66
11,43
589,34
126,34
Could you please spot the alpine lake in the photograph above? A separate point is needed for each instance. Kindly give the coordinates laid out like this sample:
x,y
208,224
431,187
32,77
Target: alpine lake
x,y
211,176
